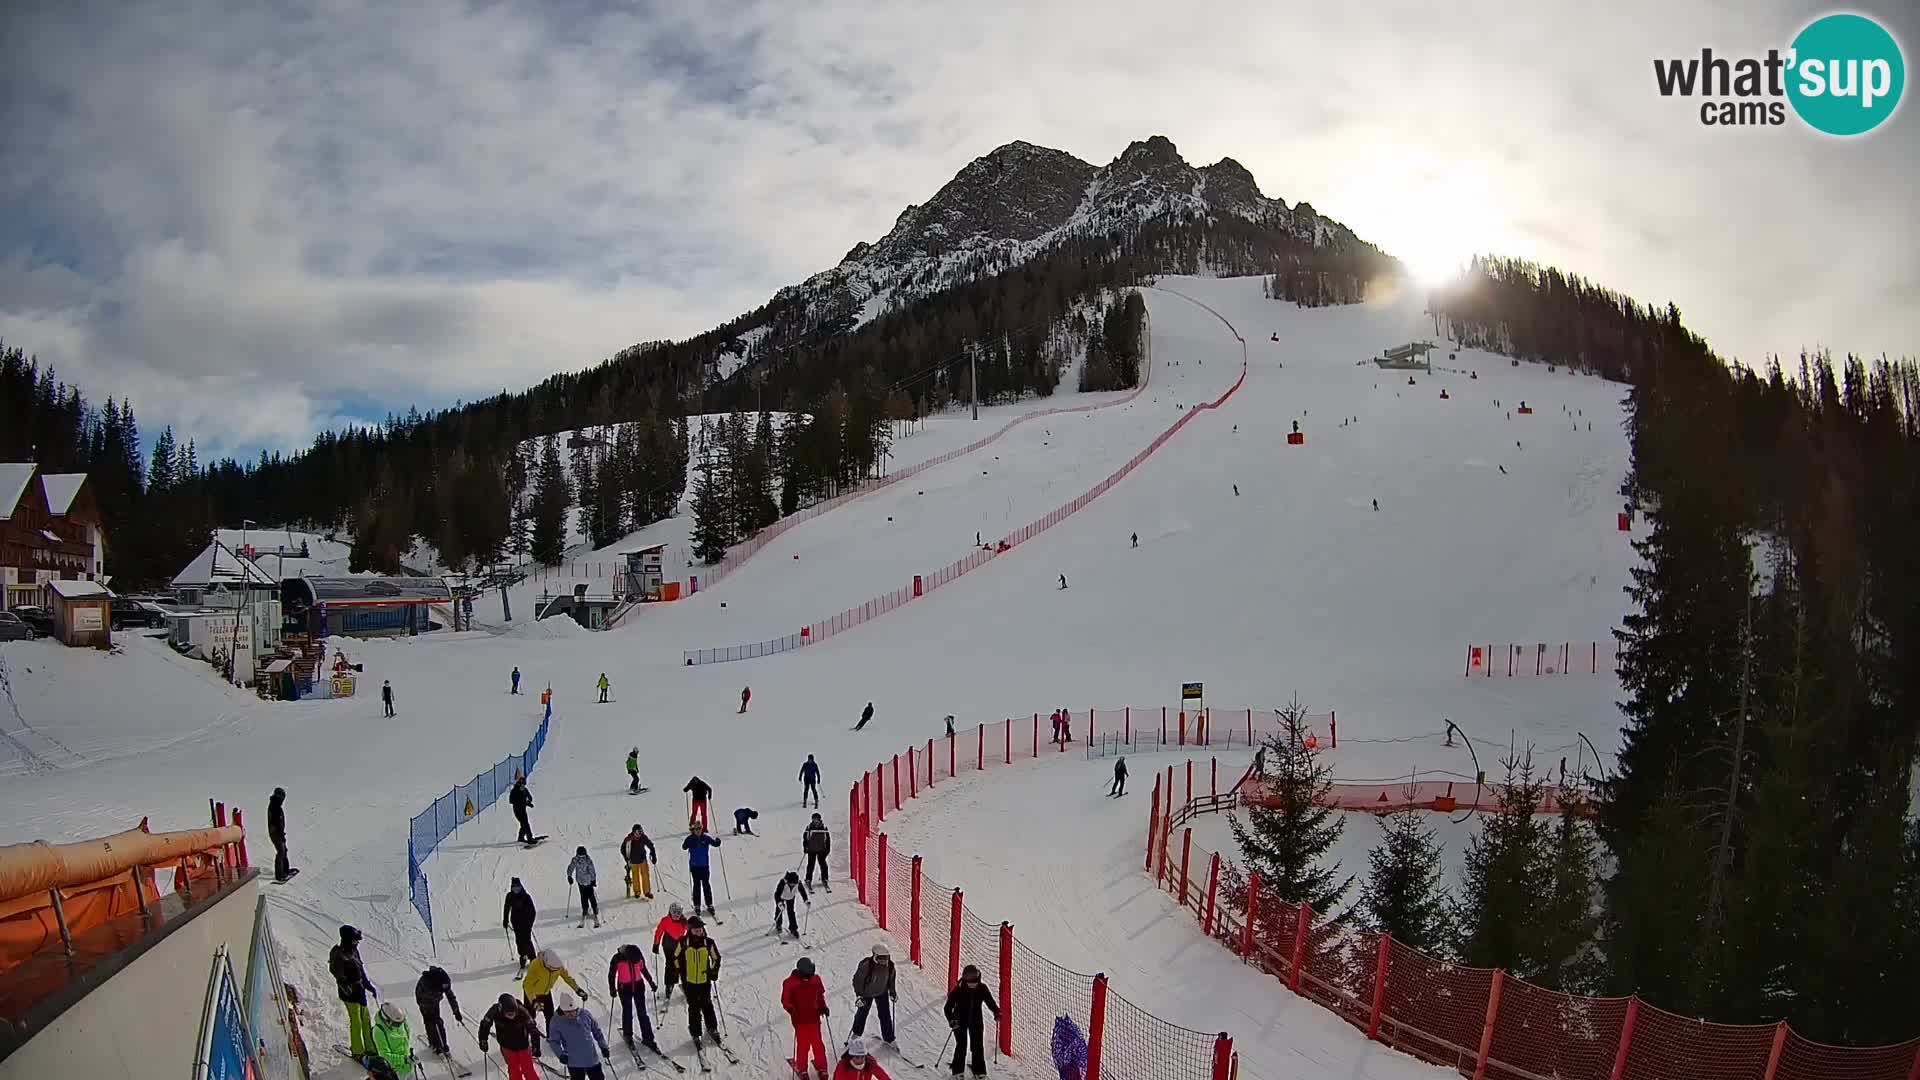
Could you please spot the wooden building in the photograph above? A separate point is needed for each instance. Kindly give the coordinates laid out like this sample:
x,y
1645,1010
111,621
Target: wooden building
x,y
82,613
49,529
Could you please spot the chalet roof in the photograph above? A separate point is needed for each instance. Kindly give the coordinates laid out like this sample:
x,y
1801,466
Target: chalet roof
x,y
219,565
14,478
346,590
79,590
61,489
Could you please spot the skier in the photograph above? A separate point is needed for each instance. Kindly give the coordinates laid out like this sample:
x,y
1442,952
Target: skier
x,y
1119,787
604,687
783,895
546,972
746,695
949,725
816,842
866,714
699,967
350,978
804,997
519,1036
1063,581
672,928
743,821
629,980
546,702
435,984
638,851
386,696
1376,505
516,680
580,872
873,983
1236,491
633,771
516,914
392,1042
1054,719
577,1040
857,1064
698,791
696,845
1069,1049
809,782
522,800
1136,539
1503,470
963,1007
277,833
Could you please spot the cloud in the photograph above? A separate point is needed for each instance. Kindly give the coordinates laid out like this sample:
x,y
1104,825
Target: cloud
x,y
257,220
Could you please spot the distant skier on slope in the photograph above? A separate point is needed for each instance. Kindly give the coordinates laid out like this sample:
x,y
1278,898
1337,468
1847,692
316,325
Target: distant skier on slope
x,y
698,792
521,800
516,680
949,725
386,696
1136,539
1119,787
866,714
816,843
604,686
784,894
633,771
638,851
1063,581
1236,491
277,833
743,821
746,695
516,914
809,781
580,872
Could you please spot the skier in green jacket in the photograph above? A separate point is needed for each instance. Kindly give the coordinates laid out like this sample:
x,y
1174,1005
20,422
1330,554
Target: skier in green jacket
x,y
392,1041
633,771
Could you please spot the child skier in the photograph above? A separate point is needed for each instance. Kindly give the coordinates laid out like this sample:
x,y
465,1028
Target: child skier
x,y
392,1042
743,821
857,1064
783,897
580,872
672,929
1069,1049
629,980
638,851
804,997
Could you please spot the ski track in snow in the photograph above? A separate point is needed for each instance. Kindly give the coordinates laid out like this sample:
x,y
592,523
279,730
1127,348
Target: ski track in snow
x,y
1294,586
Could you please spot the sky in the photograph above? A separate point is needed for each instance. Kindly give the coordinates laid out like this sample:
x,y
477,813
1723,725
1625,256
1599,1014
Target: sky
x,y
262,220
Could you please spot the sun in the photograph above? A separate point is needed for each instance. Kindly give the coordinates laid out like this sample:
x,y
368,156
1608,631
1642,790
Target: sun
x,y
1434,214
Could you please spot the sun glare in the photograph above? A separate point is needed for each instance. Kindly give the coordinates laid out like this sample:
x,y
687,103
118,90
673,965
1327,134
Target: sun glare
x,y
1432,213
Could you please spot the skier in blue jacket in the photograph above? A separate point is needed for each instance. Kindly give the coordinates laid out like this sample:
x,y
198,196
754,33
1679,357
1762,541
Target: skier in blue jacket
x,y
810,781
696,845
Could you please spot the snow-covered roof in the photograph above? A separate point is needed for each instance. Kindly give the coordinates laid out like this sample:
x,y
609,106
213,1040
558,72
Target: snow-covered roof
x,y
218,565
14,478
79,590
60,489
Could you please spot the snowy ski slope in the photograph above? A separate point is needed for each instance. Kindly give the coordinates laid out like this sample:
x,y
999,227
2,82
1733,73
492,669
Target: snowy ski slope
x,y
1293,586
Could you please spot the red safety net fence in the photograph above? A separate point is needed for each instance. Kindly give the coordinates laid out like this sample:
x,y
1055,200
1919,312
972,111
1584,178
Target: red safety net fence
x,y
1480,1021
942,934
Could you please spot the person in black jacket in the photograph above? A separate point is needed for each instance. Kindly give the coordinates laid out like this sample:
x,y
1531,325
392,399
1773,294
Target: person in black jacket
x,y
866,714
517,915
350,978
519,1036
277,832
522,801
816,843
698,791
435,984
386,696
969,996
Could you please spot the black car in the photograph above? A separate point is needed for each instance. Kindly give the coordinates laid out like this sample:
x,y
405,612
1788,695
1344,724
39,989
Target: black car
x,y
13,628
38,618
128,611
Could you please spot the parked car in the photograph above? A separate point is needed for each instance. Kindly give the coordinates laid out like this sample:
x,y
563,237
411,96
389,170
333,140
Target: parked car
x,y
13,628
38,618
129,611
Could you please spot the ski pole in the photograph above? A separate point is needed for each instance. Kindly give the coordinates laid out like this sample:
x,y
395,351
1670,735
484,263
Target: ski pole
x,y
721,1008
723,877
944,1042
486,1063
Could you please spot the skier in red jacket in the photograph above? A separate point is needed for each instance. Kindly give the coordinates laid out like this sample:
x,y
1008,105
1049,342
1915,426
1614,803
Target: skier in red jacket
x,y
857,1064
804,997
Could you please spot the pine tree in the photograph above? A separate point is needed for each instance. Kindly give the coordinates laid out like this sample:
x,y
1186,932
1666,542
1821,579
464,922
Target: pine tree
x,y
586,486
1287,834
551,499
710,529
160,477
1507,872
1404,894
1569,918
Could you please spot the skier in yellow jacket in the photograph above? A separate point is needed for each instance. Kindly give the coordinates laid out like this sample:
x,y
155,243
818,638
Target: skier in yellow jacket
x,y
543,974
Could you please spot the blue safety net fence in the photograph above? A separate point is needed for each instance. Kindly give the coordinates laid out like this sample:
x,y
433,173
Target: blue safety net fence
x,y
449,811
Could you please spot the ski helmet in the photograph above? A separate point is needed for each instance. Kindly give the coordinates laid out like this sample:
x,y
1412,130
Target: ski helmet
x,y
695,924
391,1013
793,875
565,1001
581,850
508,1003
857,1046
637,828
880,952
970,972
550,957
676,911
349,935
804,968
635,750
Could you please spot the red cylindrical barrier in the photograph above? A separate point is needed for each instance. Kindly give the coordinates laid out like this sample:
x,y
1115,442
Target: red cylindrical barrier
x,y
1213,891
240,847
954,921
1486,1030
1006,988
1626,1041
853,847
1301,925
1189,801
1213,785
880,793
1222,1057
880,906
1773,1056
896,781
1253,912
981,761
1183,727
929,762
1186,852
916,585
1379,986
1096,1026
913,775
1333,726
1153,820
950,769
1163,725
219,815
1126,737
913,914
1009,747
1036,735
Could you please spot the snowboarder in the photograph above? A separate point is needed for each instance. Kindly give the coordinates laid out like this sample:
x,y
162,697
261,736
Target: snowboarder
x,y
350,978
580,872
516,680
435,984
963,1007
809,782
696,846
386,696
1063,581
522,800
699,967
857,1064
392,1041
698,792
873,983
638,851
783,896
516,914
546,972
604,687
866,714
671,929
629,980
804,996
816,842
743,821
1136,539
633,771
519,1036
277,833
1069,1049
577,1040
746,695
1119,787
